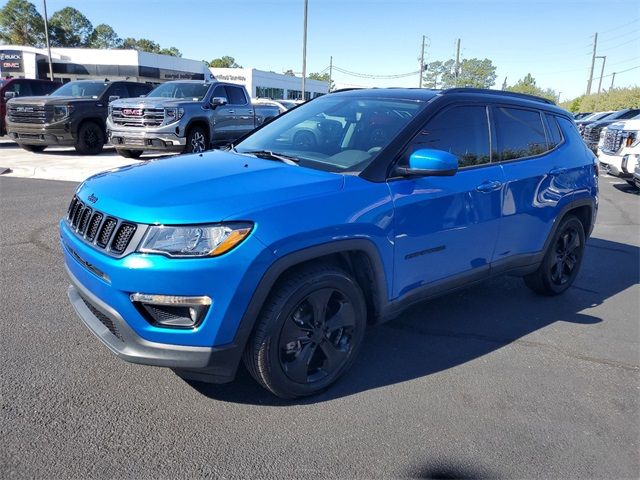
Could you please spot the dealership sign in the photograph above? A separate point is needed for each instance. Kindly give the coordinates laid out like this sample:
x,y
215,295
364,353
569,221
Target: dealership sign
x,y
10,61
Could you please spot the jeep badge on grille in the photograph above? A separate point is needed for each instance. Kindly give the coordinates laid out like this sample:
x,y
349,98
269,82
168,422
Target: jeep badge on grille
x,y
92,198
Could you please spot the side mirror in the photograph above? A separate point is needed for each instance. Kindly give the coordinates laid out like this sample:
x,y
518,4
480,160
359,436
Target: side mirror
x,y
10,95
113,98
428,162
217,101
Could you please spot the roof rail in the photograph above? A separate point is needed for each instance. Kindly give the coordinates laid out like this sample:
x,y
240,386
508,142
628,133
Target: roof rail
x,y
346,89
506,93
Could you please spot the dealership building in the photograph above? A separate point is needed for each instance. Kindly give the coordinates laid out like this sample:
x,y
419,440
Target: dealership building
x,y
88,63
262,84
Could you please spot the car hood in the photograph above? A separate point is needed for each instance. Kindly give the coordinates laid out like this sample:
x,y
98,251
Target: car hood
x,y
152,102
49,100
202,188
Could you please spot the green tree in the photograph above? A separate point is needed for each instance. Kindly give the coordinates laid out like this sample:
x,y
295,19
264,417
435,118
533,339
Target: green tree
x,y
472,72
290,73
21,24
614,99
434,72
323,77
173,51
142,44
69,28
224,62
528,85
103,36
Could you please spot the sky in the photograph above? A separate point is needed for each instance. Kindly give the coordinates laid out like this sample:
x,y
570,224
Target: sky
x,y
552,40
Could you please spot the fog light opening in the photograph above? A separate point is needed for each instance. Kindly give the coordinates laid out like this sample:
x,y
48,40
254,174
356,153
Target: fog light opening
x,y
172,311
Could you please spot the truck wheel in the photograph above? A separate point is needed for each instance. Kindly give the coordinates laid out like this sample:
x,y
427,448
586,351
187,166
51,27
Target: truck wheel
x,y
129,153
90,139
197,140
562,260
308,333
33,148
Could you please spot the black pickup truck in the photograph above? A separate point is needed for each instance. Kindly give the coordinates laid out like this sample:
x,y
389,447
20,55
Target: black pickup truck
x,y
73,115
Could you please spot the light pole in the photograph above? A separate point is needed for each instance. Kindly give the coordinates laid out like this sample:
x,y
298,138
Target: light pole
x,y
304,49
46,34
604,60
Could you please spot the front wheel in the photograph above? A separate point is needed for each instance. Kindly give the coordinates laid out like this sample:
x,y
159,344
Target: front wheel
x,y
308,333
129,153
562,260
197,140
90,139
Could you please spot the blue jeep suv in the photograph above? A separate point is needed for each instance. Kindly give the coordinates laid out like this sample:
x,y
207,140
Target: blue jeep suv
x,y
342,212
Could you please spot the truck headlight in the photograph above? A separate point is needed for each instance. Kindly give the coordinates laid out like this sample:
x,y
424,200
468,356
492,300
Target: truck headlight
x,y
61,112
194,240
631,138
173,114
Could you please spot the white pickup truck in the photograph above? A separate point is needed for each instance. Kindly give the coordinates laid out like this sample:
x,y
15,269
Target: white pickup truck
x,y
619,149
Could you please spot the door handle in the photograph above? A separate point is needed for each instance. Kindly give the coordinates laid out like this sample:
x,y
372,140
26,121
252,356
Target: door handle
x,y
557,171
489,186
231,112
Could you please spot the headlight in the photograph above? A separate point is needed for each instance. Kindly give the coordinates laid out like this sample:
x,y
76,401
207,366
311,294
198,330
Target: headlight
x,y
631,138
173,114
62,111
195,240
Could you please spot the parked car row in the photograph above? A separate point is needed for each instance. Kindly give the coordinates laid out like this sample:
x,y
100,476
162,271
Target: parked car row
x,y
178,116
619,148
590,127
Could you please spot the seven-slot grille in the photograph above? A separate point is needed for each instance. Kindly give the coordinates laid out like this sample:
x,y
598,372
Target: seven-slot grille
x,y
137,117
612,140
39,114
99,229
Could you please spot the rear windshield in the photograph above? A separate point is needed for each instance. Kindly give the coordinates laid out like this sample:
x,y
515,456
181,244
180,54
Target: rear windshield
x,y
186,90
81,89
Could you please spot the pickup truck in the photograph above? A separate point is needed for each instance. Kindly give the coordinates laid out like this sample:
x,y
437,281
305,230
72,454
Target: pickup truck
x,y
184,116
21,87
73,115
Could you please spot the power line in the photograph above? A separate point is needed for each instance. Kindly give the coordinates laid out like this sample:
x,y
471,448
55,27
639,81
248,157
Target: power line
x,y
618,73
374,76
619,36
621,26
622,44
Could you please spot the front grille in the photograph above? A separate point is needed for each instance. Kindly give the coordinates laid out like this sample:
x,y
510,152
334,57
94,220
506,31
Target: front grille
x,y
108,233
612,141
591,134
150,117
38,114
105,320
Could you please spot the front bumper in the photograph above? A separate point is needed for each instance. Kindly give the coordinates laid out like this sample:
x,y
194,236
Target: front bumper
x,y
41,135
145,140
612,164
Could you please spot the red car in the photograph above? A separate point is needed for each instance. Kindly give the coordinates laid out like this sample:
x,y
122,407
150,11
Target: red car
x,y
21,87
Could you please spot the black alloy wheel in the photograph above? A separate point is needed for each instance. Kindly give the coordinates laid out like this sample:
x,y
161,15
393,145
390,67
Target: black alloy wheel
x,y
90,139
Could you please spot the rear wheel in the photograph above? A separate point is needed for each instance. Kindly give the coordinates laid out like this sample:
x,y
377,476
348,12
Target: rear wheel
x,y
129,153
197,140
33,148
308,333
562,260
90,139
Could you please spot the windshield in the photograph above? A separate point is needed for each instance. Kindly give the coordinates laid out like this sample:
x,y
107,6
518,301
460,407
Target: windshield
x,y
182,90
81,89
335,133
287,105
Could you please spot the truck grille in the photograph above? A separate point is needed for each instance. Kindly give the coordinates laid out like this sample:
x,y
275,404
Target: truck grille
x,y
38,114
591,134
612,141
105,232
137,117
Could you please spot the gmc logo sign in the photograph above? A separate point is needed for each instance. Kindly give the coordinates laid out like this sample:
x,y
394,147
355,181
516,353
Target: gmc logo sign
x,y
133,112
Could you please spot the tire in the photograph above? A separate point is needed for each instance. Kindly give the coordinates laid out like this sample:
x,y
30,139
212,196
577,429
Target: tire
x,y
129,153
197,140
294,343
33,148
562,261
90,139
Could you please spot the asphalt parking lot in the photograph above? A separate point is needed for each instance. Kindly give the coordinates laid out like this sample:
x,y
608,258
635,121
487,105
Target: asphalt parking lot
x,y
490,382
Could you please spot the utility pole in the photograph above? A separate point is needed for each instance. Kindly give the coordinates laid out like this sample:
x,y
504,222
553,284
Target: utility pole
x,y
504,84
304,49
612,79
330,71
604,60
593,63
559,93
46,33
421,62
457,70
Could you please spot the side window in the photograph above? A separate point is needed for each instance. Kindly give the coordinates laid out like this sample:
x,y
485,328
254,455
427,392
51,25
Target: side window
x,y
220,91
569,130
235,95
119,90
43,88
137,90
22,89
520,133
555,136
462,131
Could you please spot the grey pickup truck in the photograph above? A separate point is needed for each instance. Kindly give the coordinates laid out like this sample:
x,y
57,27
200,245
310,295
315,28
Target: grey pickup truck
x,y
184,116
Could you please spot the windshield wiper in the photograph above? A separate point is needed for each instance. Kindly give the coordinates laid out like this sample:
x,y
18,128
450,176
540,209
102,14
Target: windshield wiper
x,y
269,155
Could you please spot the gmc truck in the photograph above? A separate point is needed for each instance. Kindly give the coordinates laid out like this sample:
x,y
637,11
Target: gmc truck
x,y
184,116
73,115
21,87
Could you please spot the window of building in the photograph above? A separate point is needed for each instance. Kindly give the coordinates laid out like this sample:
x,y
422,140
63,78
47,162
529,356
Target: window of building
x,y
520,133
462,131
294,94
270,92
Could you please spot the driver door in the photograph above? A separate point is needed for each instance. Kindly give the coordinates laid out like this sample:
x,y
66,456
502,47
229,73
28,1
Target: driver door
x,y
222,117
446,228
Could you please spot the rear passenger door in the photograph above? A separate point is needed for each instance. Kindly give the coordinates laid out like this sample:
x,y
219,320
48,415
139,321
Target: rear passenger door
x,y
446,227
537,179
